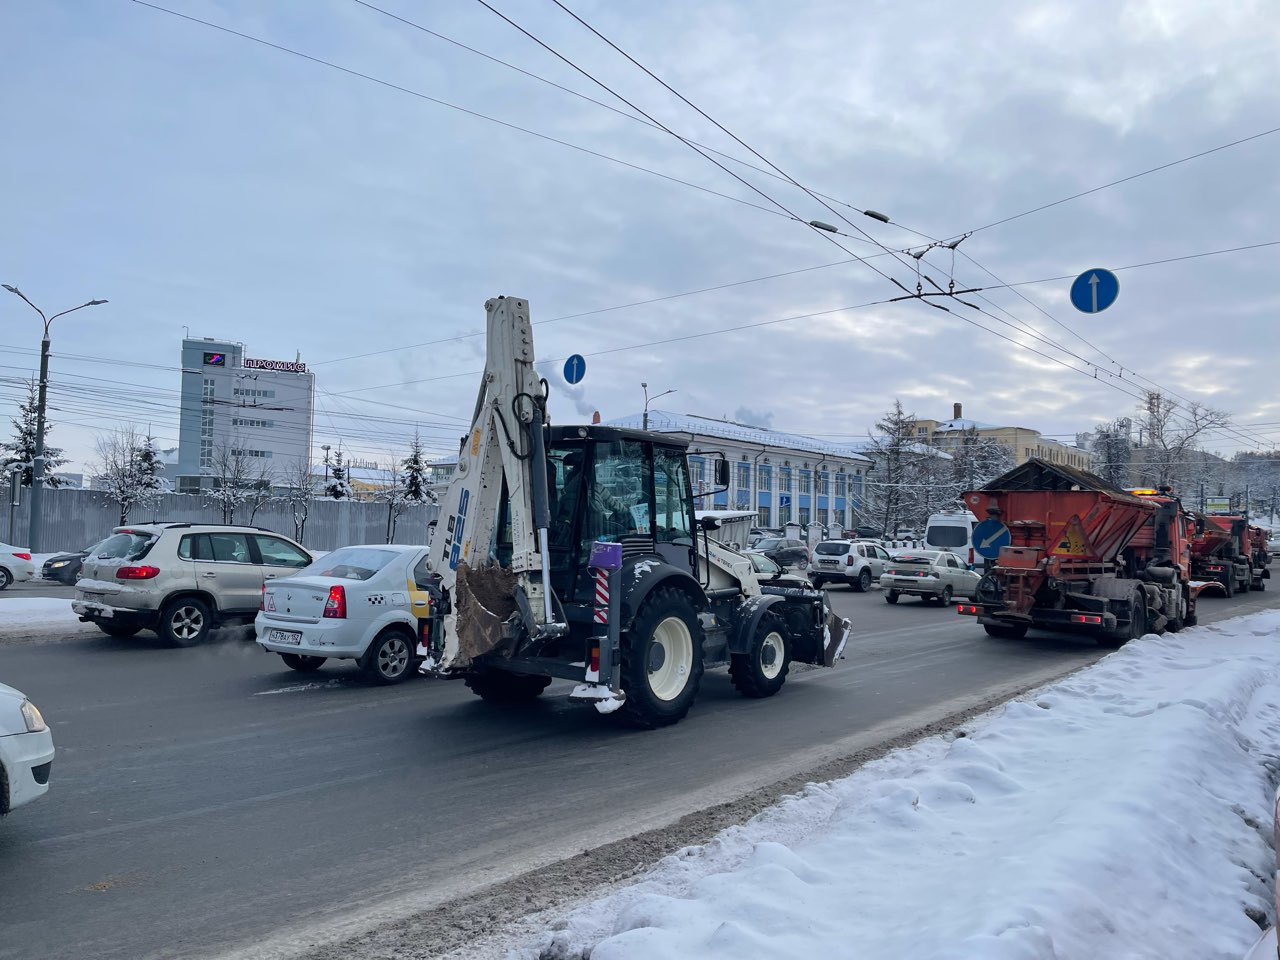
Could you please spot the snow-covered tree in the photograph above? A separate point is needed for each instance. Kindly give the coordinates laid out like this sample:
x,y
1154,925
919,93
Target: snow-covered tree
x,y
1113,452
1170,436
123,471
148,463
339,486
413,476
21,449
976,460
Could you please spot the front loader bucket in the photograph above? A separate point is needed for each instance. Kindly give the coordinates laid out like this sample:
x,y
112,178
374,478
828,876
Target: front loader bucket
x,y
485,600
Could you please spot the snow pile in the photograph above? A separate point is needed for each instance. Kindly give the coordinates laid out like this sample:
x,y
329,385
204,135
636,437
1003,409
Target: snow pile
x,y
28,612
1124,812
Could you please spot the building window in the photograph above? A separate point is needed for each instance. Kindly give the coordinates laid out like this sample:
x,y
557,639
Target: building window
x,y
763,514
804,516
806,482
744,476
837,517
252,454
824,482
784,479
764,479
840,484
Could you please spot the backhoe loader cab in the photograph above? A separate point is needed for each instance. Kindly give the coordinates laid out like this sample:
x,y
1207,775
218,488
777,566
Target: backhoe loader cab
x,y
573,552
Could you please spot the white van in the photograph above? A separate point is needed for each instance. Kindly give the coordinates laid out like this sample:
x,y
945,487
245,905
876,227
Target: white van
x,y
952,531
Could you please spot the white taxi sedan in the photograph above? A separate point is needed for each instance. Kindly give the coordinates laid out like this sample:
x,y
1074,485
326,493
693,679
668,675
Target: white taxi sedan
x,y
931,575
26,751
357,603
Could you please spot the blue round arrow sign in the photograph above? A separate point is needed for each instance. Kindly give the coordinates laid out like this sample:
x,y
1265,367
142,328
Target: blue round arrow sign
x,y
1094,290
575,368
988,537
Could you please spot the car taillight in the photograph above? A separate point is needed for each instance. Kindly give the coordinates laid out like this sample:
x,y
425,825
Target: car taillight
x,y
262,598
848,561
23,556
335,608
971,556
137,573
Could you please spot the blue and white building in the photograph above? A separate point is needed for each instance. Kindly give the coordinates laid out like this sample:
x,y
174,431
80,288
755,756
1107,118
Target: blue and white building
x,y
784,477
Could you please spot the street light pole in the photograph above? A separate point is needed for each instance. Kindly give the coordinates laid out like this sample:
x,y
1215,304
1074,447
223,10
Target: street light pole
x,y
644,420
37,465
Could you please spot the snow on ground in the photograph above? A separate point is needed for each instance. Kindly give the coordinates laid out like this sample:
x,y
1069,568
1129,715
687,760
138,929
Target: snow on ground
x,y
1123,812
36,612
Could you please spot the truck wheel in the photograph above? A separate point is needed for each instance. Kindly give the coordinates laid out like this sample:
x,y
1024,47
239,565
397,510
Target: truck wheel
x,y
1136,627
763,670
891,596
185,622
120,630
863,583
301,662
1005,631
389,658
498,686
1229,585
661,661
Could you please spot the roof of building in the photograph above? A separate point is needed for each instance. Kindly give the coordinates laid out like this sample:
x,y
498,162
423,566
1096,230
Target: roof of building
x,y
661,421
963,424
919,449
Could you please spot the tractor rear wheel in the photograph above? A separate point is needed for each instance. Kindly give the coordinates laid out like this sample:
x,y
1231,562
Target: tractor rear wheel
x,y
661,661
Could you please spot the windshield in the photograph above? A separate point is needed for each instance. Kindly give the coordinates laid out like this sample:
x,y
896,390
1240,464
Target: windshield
x,y
125,545
763,564
768,543
350,563
831,548
948,536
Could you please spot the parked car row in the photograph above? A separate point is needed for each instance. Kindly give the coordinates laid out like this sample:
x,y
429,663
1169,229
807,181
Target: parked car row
x,y
933,575
183,580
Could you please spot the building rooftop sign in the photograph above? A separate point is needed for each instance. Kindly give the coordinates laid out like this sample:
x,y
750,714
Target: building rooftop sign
x,y
286,366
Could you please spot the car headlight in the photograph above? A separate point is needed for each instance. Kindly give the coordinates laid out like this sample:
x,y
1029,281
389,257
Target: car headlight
x,y
59,563
35,722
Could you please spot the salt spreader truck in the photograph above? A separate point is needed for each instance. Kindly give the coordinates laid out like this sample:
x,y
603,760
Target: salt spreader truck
x,y
1082,556
573,552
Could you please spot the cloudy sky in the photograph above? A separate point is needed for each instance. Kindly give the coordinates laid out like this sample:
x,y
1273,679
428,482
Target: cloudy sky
x,y
204,181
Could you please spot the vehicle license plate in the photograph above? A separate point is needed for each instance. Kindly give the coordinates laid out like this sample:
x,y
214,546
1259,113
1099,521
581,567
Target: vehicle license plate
x,y
285,636
95,597
830,563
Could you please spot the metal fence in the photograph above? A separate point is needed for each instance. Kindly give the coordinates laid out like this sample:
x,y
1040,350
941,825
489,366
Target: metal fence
x,y
76,518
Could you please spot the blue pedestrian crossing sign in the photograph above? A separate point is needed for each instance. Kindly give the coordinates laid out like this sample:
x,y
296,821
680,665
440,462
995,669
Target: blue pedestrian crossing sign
x,y
989,536
575,368
1094,290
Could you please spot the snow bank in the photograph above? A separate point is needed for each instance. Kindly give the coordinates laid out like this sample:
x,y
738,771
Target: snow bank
x,y
29,612
1124,812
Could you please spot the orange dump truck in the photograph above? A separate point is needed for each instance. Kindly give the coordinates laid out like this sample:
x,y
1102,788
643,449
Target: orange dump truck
x,y
1078,554
1222,553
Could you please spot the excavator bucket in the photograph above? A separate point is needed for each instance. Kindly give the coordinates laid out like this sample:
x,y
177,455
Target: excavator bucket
x,y
485,598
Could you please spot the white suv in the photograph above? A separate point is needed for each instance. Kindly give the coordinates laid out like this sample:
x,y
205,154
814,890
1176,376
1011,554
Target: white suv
x,y
858,563
181,579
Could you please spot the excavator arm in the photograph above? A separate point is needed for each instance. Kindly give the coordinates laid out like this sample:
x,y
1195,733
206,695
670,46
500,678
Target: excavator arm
x,y
480,604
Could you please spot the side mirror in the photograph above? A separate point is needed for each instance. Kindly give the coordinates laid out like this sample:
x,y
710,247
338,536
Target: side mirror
x,y
722,473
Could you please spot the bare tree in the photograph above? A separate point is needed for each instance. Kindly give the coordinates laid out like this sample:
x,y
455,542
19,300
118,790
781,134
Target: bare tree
x,y
232,472
1170,435
261,483
123,469
390,489
298,480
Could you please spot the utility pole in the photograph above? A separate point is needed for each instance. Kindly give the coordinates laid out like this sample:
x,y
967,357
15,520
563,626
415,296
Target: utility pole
x,y
37,468
644,420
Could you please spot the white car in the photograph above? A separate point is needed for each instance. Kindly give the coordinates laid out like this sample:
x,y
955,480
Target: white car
x,y
358,603
931,575
859,563
15,565
26,751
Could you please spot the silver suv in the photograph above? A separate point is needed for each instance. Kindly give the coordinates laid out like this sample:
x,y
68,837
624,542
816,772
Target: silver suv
x,y
181,579
858,563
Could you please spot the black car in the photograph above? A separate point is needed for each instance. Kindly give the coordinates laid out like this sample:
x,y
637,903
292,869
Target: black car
x,y
865,532
65,567
783,551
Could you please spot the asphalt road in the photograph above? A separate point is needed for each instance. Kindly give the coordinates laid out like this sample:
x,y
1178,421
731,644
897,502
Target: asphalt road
x,y
209,798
